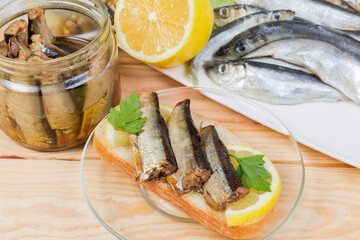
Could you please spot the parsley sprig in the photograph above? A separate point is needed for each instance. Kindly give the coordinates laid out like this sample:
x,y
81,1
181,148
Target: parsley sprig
x,y
252,172
128,116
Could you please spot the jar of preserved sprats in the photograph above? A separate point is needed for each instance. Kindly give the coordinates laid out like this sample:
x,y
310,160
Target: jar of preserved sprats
x,y
58,71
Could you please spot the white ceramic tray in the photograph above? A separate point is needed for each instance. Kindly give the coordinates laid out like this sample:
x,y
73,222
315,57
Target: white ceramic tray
x,y
331,128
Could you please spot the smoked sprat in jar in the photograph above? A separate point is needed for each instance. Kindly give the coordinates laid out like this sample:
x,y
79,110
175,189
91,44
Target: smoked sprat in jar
x,y
58,70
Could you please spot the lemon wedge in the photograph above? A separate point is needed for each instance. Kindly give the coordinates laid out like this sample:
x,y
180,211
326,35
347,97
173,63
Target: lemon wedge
x,y
116,138
163,32
165,112
256,203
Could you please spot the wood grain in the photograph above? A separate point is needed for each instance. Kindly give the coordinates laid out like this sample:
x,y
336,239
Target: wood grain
x,y
40,193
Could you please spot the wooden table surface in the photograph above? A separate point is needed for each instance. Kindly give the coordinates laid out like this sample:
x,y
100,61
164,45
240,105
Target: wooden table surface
x,y
41,198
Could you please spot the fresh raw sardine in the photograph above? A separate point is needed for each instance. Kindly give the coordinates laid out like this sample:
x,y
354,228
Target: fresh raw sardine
x,y
316,11
193,168
265,33
271,83
151,147
278,62
223,35
225,15
224,186
333,66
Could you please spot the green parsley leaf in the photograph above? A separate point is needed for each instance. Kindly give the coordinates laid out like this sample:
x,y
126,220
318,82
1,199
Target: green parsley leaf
x,y
252,172
128,117
221,3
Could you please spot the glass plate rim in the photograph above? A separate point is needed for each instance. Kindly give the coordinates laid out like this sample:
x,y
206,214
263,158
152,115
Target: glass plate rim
x,y
200,89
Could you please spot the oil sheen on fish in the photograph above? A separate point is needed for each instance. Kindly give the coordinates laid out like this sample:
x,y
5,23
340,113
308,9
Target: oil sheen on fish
x,y
223,35
271,83
151,147
7,124
333,66
26,109
64,119
193,168
265,33
316,11
223,186
227,14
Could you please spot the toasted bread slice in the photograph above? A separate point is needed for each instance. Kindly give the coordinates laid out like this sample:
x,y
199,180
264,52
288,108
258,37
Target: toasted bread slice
x,y
193,204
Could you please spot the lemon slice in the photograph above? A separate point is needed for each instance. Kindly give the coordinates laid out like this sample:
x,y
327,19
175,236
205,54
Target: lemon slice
x,y
163,32
116,138
256,203
165,112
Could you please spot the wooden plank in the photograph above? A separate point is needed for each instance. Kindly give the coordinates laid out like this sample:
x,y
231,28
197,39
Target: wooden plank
x,y
43,200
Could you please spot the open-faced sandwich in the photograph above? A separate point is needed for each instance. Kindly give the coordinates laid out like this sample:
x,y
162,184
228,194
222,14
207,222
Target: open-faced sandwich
x,y
185,160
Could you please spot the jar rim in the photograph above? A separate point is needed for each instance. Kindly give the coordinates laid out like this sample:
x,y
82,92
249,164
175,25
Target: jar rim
x,y
69,57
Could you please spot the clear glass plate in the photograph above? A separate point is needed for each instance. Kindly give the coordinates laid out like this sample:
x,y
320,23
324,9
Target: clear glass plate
x,y
124,207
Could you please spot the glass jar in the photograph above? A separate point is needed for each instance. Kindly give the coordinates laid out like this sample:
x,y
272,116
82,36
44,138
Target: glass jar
x,y
55,104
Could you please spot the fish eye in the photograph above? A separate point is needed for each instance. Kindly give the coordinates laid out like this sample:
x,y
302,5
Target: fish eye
x,y
240,48
277,15
223,68
224,12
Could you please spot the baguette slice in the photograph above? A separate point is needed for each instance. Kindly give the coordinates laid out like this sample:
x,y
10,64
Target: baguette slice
x,y
193,204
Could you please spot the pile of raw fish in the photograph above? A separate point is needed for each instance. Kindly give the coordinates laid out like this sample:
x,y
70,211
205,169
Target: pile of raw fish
x,y
285,52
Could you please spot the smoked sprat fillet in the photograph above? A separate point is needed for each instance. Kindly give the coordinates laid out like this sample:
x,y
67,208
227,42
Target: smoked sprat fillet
x,y
151,146
223,186
193,168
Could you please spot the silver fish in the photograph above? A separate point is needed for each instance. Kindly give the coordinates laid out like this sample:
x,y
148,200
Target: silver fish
x,y
193,168
271,83
151,147
354,35
227,14
265,33
333,66
278,62
224,34
316,11
223,186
